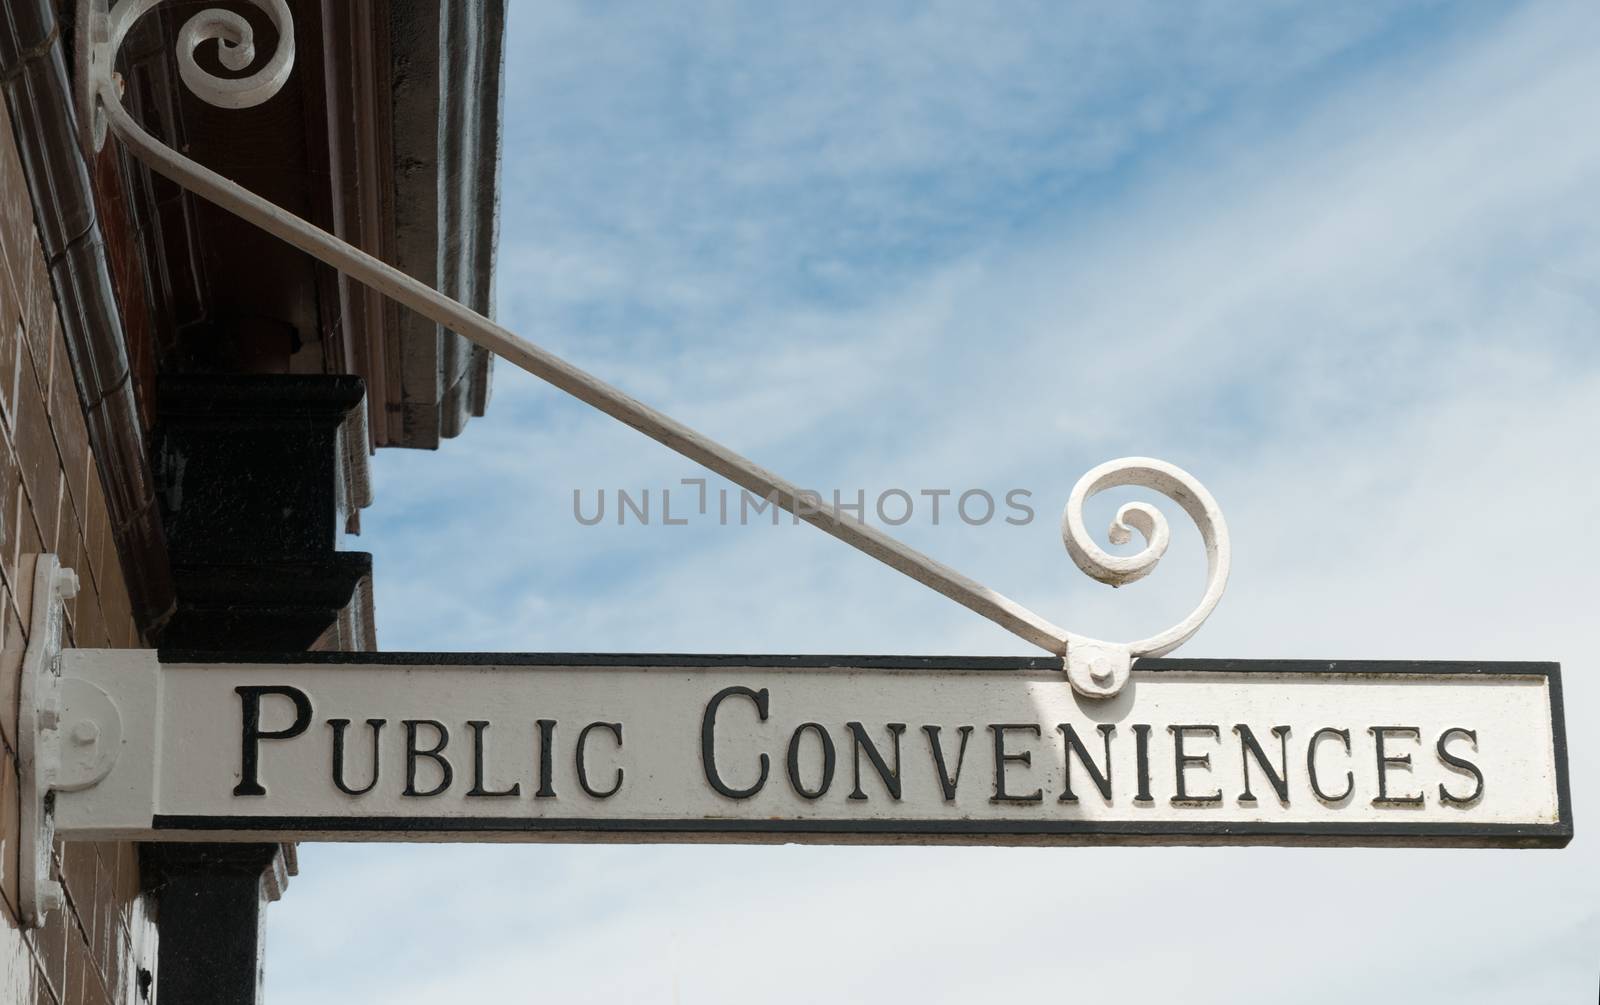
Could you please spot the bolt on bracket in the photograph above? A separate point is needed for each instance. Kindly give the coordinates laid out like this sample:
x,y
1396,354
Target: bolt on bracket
x,y
1098,669
68,736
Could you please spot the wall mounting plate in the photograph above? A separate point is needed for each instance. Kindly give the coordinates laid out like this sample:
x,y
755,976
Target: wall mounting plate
x,y
68,735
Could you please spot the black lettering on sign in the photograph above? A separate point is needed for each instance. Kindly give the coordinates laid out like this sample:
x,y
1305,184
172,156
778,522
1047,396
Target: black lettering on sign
x,y
828,761
1386,760
708,741
479,727
1101,781
339,726
436,754
251,734
947,781
1141,750
1182,761
547,755
1311,766
583,772
1460,764
891,779
1248,746
1002,757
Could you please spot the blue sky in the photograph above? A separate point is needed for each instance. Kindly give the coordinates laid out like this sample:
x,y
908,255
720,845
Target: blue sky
x,y
1339,261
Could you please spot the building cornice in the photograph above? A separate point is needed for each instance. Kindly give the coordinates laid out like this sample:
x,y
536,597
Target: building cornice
x,y
445,72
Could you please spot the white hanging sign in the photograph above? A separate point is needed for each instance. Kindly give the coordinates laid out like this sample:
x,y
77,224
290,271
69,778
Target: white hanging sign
x,y
416,747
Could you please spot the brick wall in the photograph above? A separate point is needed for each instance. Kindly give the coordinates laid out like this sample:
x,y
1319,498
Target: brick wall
x,y
51,500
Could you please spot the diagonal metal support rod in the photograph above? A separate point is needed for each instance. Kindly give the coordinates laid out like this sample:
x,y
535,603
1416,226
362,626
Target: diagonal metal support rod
x,y
584,386
1095,668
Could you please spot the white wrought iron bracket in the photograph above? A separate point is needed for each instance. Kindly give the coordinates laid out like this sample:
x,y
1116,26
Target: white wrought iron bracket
x,y
1096,669
68,737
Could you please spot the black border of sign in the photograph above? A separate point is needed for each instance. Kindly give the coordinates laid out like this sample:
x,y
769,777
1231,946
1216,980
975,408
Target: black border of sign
x,y
1553,835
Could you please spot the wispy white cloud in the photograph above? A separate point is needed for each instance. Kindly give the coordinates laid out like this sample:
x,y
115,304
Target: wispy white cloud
x,y
700,167
1364,311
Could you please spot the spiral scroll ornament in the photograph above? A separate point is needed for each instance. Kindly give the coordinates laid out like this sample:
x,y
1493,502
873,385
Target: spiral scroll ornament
x,y
1095,669
103,29
1099,669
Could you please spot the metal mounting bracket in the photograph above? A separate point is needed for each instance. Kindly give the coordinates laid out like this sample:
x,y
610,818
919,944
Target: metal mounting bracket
x,y
1095,669
68,735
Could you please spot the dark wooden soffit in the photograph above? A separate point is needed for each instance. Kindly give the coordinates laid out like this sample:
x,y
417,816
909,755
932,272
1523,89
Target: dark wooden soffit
x,y
149,279
387,134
